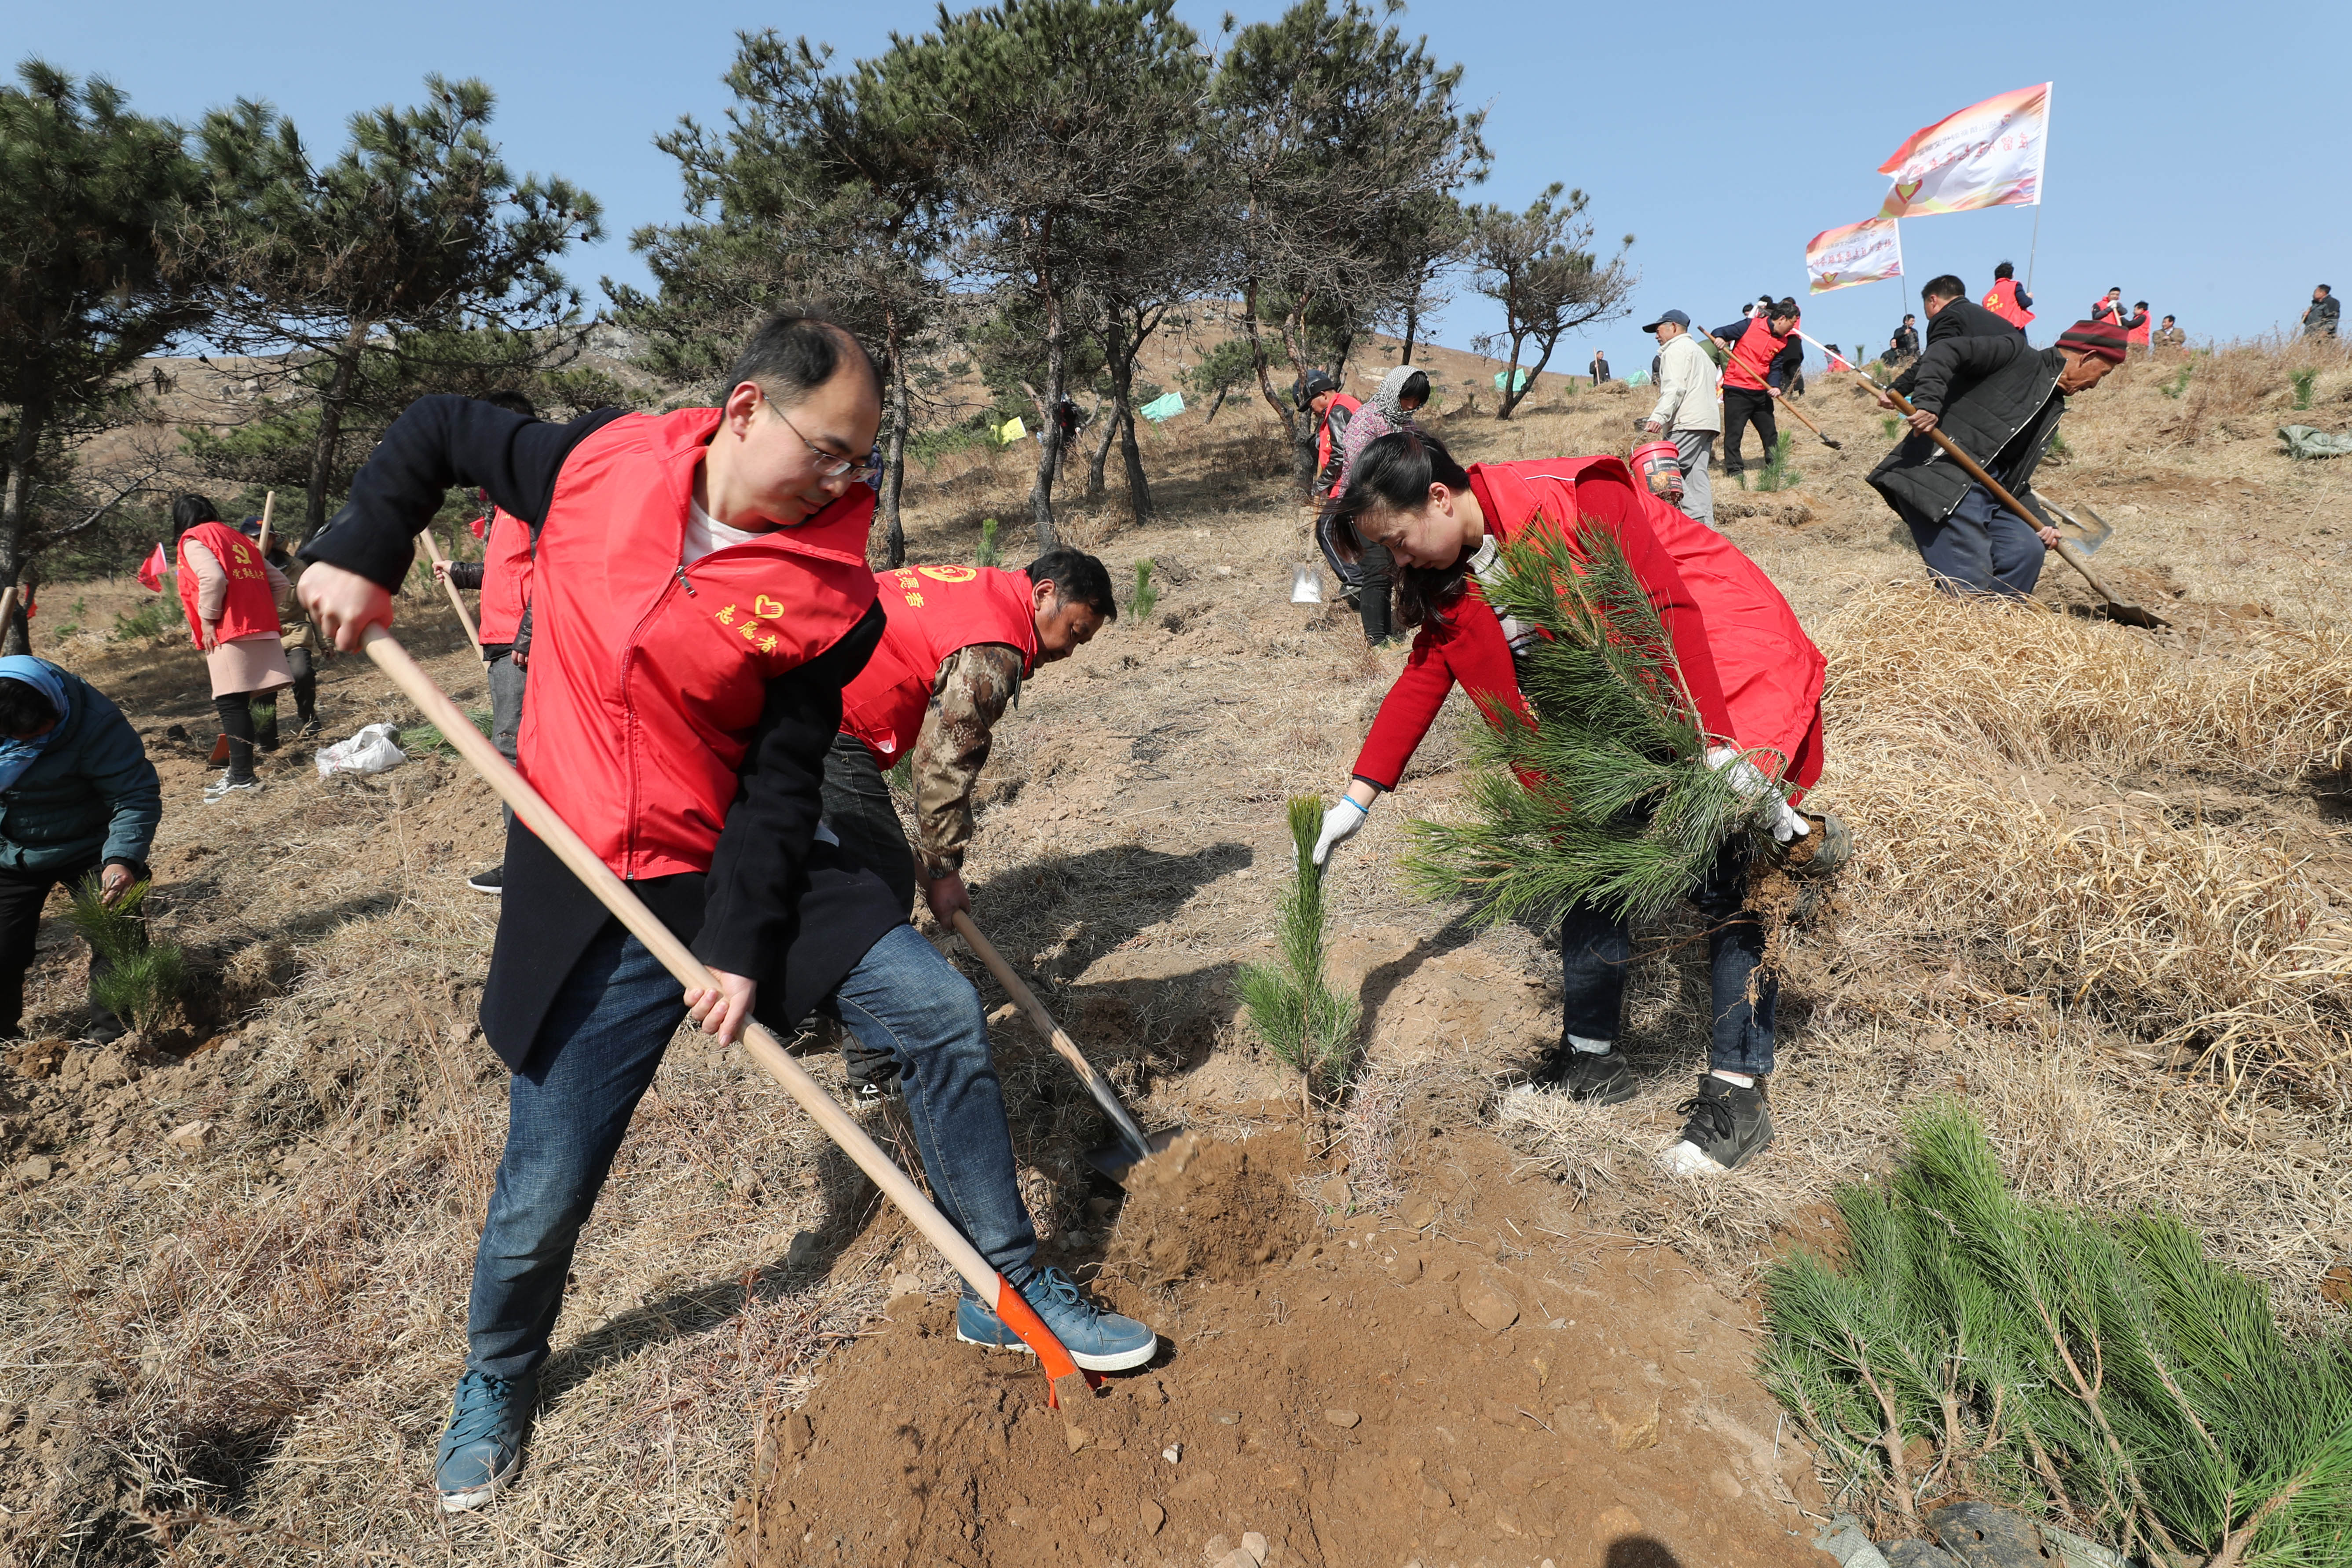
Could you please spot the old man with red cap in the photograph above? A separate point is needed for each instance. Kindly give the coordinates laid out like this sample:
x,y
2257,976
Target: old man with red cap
x,y
1998,399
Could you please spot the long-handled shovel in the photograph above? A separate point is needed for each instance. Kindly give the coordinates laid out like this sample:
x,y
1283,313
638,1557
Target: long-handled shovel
x,y
1786,406
268,505
433,548
1065,1377
2117,610
1112,1160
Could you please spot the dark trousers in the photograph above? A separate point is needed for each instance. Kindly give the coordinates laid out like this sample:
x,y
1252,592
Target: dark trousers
x,y
1981,548
596,1058
235,712
505,711
1377,567
22,894
306,699
1742,408
1597,948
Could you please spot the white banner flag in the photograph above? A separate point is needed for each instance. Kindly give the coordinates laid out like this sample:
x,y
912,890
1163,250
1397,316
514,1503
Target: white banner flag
x,y
1988,155
1864,252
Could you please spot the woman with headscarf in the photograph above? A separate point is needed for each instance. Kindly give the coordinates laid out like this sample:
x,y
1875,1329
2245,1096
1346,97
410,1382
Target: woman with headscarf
x,y
78,798
1402,392
230,595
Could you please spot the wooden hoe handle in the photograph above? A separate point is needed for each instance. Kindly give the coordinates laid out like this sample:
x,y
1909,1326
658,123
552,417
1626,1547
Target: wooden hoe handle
x,y
1065,1046
761,1046
433,548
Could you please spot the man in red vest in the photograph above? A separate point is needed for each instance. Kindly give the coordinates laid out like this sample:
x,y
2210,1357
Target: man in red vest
x,y
2109,306
1765,351
2137,325
2006,299
957,644
700,599
1332,409
503,575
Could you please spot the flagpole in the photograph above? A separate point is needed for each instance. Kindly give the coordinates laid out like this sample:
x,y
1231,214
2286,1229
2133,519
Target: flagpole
x,y
2040,177
2034,248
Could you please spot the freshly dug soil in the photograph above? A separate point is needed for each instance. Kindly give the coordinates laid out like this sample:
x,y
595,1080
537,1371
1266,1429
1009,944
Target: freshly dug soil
x,y
1202,1209
1496,1384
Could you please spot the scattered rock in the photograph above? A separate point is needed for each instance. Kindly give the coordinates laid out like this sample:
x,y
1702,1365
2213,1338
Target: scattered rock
x,y
1172,1453
1074,1436
1254,1544
1422,1215
1633,1431
34,1168
1493,1307
1218,1549
1341,1419
905,1284
1333,1192
1616,1523
798,1435
1405,1268
2336,1285
189,1138
1151,1516
1228,1418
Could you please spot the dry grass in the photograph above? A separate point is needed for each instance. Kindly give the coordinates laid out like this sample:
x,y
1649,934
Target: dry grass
x,y
2117,892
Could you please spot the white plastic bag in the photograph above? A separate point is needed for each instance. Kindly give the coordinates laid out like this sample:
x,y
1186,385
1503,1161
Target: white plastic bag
x,y
371,750
1306,585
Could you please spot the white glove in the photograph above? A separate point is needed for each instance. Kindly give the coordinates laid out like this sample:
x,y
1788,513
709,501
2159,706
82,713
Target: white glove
x,y
1340,822
1749,783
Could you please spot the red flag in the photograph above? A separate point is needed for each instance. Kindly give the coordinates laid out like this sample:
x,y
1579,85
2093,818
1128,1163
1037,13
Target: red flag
x,y
150,571
481,526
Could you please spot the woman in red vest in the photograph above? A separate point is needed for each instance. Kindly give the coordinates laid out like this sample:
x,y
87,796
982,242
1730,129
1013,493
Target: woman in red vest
x,y
1752,677
700,597
230,596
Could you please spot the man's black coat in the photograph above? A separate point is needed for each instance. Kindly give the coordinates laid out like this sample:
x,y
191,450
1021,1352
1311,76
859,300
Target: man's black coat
x,y
1997,398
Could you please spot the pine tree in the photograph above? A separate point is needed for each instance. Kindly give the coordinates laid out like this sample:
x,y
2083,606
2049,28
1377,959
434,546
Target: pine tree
x,y
1604,796
1306,1025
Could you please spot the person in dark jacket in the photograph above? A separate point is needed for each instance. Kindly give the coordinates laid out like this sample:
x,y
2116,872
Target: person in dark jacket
x,y
2319,319
690,754
1903,344
1998,399
1952,314
78,797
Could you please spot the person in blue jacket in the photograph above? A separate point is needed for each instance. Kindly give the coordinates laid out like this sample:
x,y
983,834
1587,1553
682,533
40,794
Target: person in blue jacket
x,y
78,797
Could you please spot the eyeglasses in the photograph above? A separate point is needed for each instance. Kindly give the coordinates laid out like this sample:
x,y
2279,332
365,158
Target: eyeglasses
x,y
867,469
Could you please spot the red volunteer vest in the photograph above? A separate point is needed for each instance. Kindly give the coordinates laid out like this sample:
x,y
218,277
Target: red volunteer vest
x,y
2107,309
931,612
1753,355
1770,673
2001,300
2139,334
647,677
251,610
1323,435
506,577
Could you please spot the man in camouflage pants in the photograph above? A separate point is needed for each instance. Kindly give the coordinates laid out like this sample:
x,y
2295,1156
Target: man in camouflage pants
x,y
958,642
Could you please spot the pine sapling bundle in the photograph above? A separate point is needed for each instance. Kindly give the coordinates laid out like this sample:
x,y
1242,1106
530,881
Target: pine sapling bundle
x,y
1604,797
132,976
1306,1025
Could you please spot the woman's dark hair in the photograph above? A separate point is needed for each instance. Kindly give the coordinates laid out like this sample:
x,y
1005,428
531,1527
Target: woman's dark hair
x,y
1396,471
1414,390
22,709
189,511
1079,579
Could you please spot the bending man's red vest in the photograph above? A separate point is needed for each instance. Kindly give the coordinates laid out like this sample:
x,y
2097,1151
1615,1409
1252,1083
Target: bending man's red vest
x,y
1752,355
506,577
931,612
647,676
2001,300
251,610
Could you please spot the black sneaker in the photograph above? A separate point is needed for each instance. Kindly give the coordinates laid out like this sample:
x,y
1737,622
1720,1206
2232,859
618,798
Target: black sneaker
x,y
1600,1077
1729,1125
492,881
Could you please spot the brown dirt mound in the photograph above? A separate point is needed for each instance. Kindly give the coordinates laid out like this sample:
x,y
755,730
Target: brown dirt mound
x,y
1500,1385
1202,1209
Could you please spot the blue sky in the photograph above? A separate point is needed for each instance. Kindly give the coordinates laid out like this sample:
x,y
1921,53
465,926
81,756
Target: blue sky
x,y
2186,163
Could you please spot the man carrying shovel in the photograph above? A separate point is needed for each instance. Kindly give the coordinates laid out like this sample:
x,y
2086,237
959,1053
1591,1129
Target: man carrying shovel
x,y
700,597
1998,399
957,643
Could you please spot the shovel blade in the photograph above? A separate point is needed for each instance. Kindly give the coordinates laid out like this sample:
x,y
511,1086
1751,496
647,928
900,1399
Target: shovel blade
x,y
2094,528
1117,1160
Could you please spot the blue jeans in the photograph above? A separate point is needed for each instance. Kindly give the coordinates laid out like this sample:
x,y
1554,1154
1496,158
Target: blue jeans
x,y
1981,548
608,1031
1596,949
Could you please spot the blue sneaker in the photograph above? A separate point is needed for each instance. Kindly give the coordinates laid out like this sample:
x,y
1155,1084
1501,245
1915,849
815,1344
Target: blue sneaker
x,y
1097,1340
482,1448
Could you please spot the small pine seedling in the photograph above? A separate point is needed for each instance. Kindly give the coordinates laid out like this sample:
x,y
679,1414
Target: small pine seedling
x,y
134,978
1308,1025
1143,601
1892,424
1776,474
987,554
139,625
2177,385
2303,380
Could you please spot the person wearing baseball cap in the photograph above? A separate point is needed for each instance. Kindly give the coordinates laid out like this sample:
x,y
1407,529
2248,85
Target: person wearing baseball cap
x,y
1686,413
1998,399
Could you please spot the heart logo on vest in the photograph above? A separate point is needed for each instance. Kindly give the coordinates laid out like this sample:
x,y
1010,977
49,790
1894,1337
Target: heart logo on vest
x,y
764,606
